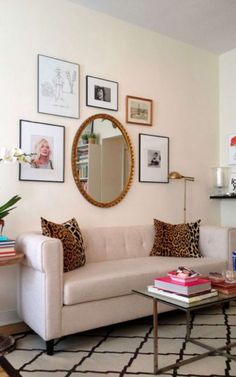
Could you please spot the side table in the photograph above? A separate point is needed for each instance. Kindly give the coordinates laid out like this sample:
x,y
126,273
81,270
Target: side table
x,y
6,341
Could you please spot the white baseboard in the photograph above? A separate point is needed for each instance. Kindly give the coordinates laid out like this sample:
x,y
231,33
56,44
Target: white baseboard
x,y
9,317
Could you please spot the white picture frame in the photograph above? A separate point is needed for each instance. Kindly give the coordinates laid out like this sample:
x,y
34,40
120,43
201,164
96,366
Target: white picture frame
x,y
58,87
232,148
32,136
101,93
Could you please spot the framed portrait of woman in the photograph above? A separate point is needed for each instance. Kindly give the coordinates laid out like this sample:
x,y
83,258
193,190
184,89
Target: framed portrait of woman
x,y
46,144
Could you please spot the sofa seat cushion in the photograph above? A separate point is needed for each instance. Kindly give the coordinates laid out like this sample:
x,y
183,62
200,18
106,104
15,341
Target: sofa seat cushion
x,y
101,280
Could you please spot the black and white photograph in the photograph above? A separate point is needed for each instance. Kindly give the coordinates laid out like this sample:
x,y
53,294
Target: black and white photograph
x,y
45,143
101,93
139,110
153,158
58,87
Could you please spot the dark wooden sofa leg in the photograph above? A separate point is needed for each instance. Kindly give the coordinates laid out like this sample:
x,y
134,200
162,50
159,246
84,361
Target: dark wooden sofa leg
x,y
50,347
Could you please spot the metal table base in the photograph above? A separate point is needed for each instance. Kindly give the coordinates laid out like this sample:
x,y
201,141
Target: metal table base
x,y
211,350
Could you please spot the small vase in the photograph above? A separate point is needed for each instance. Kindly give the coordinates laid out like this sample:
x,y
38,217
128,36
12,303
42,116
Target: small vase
x,y
220,179
92,140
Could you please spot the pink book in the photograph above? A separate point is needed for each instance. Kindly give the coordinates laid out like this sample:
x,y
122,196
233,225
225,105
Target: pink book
x,y
185,288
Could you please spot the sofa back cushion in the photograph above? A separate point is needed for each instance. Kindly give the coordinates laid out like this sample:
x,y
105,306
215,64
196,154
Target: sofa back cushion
x,y
176,240
110,243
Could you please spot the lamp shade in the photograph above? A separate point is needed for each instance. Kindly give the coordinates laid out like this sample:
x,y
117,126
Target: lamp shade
x,y
177,175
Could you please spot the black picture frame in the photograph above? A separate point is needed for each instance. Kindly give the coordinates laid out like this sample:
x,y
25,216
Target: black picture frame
x,y
34,136
153,158
101,93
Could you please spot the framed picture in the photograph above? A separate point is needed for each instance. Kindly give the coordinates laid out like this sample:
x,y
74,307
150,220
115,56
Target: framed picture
x,y
101,93
232,148
46,143
58,87
153,158
139,110
232,183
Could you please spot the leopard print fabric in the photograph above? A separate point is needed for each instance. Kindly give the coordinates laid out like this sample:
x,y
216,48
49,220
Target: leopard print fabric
x,y
70,235
179,240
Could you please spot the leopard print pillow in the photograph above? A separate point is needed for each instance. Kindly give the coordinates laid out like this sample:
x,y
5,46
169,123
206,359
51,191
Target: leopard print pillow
x,y
70,235
179,240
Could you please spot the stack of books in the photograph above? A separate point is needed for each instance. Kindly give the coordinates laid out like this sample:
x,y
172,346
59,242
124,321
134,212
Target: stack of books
x,y
7,248
196,289
225,287
224,282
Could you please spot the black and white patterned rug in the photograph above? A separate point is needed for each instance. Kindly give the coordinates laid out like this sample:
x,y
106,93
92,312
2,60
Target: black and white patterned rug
x,y
126,350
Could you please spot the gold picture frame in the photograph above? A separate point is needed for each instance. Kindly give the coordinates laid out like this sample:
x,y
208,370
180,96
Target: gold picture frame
x,y
139,110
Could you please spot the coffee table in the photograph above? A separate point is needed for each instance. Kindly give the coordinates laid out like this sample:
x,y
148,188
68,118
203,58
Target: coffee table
x,y
187,308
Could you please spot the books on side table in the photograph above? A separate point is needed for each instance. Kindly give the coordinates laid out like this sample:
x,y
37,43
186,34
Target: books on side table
x,y
7,248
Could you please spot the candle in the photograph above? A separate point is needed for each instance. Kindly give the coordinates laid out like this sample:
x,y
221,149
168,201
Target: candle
x,y
219,177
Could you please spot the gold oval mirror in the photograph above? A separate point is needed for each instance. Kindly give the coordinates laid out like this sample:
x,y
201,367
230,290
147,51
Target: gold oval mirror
x,y
102,160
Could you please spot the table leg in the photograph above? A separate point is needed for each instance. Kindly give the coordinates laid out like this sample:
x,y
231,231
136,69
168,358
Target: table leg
x,y
188,321
155,335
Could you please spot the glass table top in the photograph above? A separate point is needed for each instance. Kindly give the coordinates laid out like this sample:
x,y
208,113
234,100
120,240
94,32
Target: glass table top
x,y
220,299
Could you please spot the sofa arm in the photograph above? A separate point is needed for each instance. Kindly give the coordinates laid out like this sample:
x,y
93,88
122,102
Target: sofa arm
x,y
40,293
217,242
41,252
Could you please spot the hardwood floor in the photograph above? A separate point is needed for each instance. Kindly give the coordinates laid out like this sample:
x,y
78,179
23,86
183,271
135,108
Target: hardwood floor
x,y
14,328
3,373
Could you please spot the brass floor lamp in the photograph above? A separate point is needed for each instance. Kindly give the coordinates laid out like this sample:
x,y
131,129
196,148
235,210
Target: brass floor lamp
x,y
176,175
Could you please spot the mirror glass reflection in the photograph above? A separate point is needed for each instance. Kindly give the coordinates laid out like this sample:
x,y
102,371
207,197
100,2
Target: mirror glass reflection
x,y
103,160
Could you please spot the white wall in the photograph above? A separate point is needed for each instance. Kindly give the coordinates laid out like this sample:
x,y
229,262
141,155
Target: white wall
x,y
227,125
181,80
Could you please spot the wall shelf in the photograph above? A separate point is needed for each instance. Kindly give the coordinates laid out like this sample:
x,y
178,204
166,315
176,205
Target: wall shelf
x,y
223,197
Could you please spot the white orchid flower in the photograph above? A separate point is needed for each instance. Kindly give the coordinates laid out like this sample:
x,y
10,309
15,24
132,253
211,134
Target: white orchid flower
x,y
14,155
3,153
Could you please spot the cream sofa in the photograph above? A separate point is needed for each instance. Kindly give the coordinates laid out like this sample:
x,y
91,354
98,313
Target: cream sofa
x,y
55,304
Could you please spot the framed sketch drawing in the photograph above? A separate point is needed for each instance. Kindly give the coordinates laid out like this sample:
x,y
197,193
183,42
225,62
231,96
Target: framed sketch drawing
x,y
46,143
101,93
139,110
58,87
232,148
153,158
